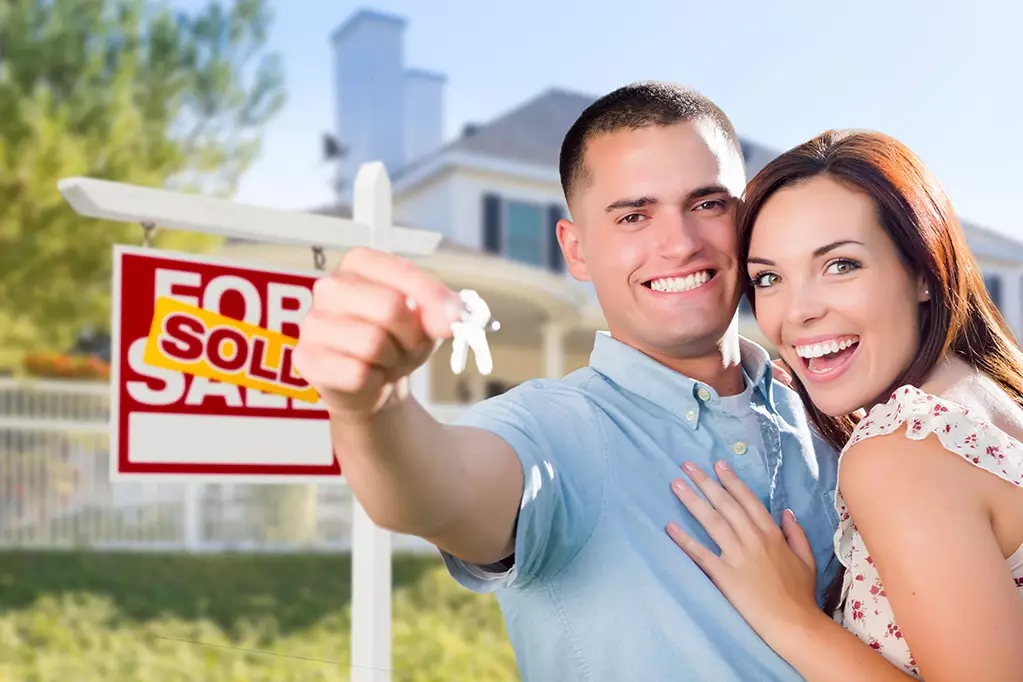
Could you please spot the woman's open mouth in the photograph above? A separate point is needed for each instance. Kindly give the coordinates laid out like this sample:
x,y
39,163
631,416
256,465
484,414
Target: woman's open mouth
x,y
824,358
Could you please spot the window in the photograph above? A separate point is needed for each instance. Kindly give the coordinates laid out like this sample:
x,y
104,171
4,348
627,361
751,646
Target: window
x,y
523,231
496,388
994,288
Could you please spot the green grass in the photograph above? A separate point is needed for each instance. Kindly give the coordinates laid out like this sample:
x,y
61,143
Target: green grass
x,y
88,617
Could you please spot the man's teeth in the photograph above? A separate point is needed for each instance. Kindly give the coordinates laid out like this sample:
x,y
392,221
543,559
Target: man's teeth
x,y
680,283
817,350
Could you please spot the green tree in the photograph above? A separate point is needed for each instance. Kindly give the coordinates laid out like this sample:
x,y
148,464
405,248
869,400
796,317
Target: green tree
x,y
122,90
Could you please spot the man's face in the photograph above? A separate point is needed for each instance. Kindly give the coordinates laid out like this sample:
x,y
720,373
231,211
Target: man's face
x,y
654,231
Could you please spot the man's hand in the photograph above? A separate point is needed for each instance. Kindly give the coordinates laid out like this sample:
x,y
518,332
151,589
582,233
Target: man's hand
x,y
372,322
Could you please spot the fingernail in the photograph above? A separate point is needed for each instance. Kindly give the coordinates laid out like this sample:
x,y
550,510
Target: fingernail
x,y
791,513
723,466
678,485
411,303
688,467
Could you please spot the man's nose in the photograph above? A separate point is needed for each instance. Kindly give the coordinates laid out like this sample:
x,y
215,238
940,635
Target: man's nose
x,y
680,238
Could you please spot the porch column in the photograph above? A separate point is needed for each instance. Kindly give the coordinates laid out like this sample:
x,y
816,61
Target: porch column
x,y
553,334
1012,299
419,383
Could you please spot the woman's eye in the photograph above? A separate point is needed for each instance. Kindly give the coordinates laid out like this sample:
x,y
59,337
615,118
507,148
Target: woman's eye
x,y
841,266
764,279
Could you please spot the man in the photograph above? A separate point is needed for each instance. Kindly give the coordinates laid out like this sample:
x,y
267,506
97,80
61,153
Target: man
x,y
556,494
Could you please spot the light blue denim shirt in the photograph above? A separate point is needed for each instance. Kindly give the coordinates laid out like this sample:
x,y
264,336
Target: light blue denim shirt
x,y
598,591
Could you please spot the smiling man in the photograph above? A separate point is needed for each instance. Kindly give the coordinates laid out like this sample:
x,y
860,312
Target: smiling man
x,y
555,495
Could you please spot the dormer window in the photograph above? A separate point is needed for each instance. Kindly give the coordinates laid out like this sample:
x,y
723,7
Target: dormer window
x,y
523,231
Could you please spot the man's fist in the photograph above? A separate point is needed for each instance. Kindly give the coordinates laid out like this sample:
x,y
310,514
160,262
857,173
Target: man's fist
x,y
372,322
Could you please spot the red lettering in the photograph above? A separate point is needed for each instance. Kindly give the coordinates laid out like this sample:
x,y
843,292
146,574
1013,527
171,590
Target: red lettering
x,y
214,349
256,368
286,376
183,337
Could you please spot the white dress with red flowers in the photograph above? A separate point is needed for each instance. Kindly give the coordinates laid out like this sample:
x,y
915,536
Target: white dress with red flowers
x,y
865,610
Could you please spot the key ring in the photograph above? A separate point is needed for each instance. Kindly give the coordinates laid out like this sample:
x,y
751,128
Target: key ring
x,y
470,332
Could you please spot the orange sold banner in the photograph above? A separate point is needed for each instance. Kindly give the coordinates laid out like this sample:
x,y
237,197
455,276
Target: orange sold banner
x,y
192,340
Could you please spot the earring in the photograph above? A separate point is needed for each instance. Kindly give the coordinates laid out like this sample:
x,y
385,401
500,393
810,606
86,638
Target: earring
x,y
927,292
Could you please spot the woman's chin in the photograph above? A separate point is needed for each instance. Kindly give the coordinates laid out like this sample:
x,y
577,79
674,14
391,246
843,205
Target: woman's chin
x,y
833,405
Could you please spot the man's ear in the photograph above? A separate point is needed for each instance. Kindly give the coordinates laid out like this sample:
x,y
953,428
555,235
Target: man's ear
x,y
569,235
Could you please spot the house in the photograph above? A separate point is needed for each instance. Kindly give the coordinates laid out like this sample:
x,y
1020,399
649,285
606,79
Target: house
x,y
494,193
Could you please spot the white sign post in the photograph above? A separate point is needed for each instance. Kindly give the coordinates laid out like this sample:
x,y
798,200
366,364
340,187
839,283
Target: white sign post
x,y
371,226
371,565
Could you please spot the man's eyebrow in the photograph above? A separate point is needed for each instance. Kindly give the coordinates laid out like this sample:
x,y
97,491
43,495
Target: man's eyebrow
x,y
707,191
641,202
817,253
638,202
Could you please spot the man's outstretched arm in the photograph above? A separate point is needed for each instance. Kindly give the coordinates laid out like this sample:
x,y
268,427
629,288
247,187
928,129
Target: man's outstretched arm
x,y
373,321
458,487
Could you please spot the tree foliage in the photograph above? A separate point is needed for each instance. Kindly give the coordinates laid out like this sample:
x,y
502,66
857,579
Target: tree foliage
x,y
121,90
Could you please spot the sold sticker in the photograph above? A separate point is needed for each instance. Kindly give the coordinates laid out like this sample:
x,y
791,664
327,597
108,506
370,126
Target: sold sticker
x,y
189,339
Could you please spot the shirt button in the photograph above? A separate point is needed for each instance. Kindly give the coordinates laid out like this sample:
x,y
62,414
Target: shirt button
x,y
704,394
739,448
690,415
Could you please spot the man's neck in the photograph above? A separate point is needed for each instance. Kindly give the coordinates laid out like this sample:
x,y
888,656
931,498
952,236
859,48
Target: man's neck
x,y
721,369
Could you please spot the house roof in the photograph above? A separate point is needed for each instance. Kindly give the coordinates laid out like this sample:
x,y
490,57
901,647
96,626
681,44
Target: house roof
x,y
532,132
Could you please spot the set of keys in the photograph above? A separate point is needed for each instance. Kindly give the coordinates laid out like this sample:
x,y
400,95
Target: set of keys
x,y
470,333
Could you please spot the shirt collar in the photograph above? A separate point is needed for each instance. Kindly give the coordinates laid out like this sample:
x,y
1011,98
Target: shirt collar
x,y
638,373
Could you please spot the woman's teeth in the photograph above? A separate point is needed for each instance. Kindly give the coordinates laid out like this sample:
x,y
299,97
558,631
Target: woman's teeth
x,y
836,345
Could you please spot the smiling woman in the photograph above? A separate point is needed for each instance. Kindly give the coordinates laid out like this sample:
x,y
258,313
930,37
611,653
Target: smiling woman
x,y
859,274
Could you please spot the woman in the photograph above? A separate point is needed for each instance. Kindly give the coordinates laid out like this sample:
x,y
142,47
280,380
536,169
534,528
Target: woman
x,y
860,276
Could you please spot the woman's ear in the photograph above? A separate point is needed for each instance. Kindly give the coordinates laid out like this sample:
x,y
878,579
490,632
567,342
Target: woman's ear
x,y
923,290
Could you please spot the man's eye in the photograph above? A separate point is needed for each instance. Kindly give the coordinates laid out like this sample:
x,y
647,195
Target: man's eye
x,y
632,218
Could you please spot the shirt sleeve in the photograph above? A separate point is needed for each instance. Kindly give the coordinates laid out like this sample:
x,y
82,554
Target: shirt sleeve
x,y
557,435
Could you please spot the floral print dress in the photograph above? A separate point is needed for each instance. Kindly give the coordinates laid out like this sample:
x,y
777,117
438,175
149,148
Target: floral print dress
x,y
865,609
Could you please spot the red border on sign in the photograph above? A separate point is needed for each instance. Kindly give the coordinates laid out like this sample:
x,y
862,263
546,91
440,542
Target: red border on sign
x,y
134,299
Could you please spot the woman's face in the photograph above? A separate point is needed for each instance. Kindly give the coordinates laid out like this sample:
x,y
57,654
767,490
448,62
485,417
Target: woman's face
x,y
832,293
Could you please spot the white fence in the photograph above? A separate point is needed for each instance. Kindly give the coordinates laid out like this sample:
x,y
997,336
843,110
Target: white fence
x,y
55,489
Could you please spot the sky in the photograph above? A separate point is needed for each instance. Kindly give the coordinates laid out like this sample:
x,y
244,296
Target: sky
x,y
943,77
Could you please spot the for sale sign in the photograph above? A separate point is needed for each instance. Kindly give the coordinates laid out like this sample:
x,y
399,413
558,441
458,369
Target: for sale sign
x,y
203,382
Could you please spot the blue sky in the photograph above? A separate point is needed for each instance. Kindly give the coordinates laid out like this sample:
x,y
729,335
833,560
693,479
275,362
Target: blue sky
x,y
943,77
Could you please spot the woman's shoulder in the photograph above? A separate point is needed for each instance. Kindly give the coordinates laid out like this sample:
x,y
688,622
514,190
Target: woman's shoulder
x,y
903,425
920,411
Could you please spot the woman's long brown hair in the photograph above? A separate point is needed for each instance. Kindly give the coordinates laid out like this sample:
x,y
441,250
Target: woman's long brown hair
x,y
914,210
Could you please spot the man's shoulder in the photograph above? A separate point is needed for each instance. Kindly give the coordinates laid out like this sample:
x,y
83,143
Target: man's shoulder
x,y
540,401
573,388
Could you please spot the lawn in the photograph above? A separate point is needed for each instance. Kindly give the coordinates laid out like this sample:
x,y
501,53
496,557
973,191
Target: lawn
x,y
92,617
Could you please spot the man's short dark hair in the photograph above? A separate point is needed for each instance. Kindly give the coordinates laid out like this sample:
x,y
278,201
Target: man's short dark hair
x,y
632,107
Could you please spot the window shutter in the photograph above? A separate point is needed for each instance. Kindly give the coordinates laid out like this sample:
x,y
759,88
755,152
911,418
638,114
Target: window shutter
x,y
555,259
994,289
491,223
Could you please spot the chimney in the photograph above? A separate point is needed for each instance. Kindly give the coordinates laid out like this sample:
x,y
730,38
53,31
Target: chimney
x,y
424,113
370,88
385,112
